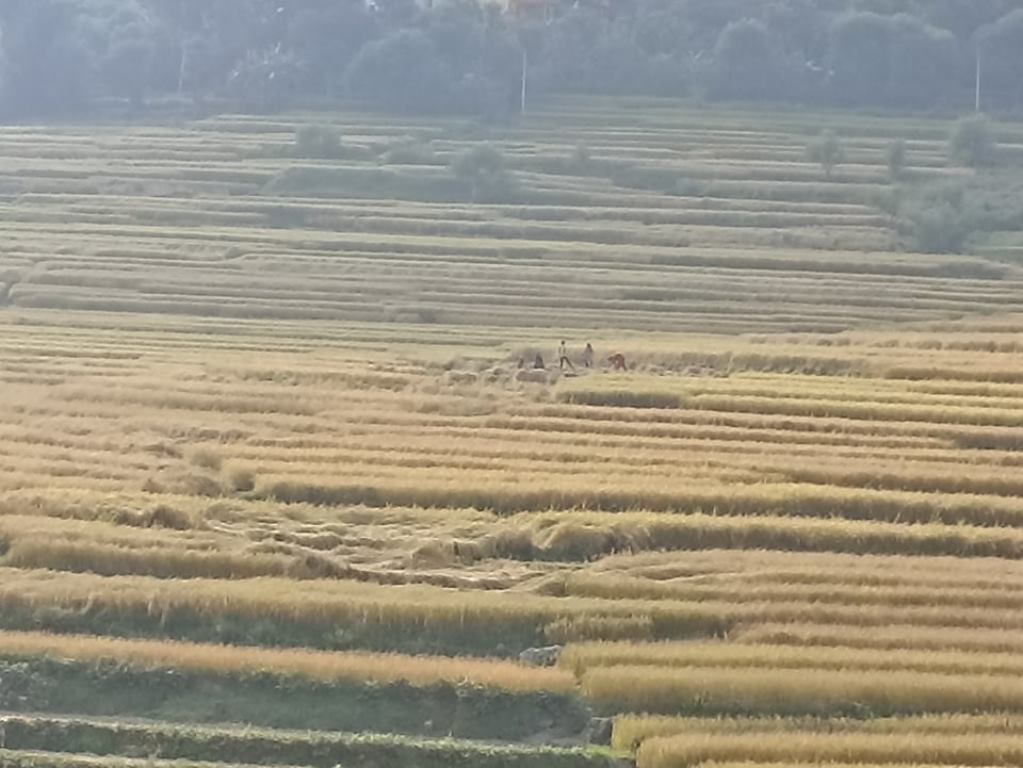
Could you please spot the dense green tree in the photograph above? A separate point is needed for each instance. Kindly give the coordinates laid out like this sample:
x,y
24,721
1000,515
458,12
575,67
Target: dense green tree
x,y
50,69
483,171
971,142
328,34
896,155
467,56
922,62
860,48
1000,46
402,71
748,63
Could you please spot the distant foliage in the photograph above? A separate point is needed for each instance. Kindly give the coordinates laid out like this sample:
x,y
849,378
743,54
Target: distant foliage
x,y
318,141
896,155
971,142
750,64
482,168
468,57
827,150
940,228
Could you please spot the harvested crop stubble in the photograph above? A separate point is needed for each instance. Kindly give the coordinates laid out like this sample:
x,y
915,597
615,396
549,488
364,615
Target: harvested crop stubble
x,y
160,562
157,605
632,730
787,606
824,693
937,749
309,664
789,567
834,591
585,535
582,657
894,636
621,491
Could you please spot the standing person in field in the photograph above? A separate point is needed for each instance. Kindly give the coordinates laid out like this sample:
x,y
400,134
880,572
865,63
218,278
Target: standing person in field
x,y
588,355
563,356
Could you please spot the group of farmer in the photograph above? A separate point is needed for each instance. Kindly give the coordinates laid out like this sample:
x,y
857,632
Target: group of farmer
x,y
617,361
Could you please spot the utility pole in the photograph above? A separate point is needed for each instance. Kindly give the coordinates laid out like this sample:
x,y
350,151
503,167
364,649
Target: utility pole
x,y
525,70
976,90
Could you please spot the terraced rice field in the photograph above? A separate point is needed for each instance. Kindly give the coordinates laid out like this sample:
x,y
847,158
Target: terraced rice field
x,y
273,489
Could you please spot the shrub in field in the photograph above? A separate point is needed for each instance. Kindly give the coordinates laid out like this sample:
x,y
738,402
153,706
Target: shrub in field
x,y
241,479
318,141
971,142
206,458
410,151
827,150
939,229
687,186
166,516
483,171
184,483
581,158
936,219
896,155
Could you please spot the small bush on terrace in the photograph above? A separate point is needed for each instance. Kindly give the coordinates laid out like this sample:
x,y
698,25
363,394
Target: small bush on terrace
x,y
581,158
896,155
971,142
318,141
409,151
206,458
241,479
827,150
939,229
482,168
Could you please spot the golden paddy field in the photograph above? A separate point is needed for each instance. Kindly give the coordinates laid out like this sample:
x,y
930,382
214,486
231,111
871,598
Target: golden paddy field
x,y
267,457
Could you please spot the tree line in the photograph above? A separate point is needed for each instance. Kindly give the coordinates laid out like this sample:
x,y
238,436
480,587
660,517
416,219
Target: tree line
x,y
463,56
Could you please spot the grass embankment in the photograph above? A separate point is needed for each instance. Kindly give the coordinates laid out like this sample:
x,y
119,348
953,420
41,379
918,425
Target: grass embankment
x,y
266,747
10,758
289,688
302,663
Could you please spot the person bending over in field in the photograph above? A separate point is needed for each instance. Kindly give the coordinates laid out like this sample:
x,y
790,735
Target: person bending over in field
x,y
563,357
617,361
538,362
